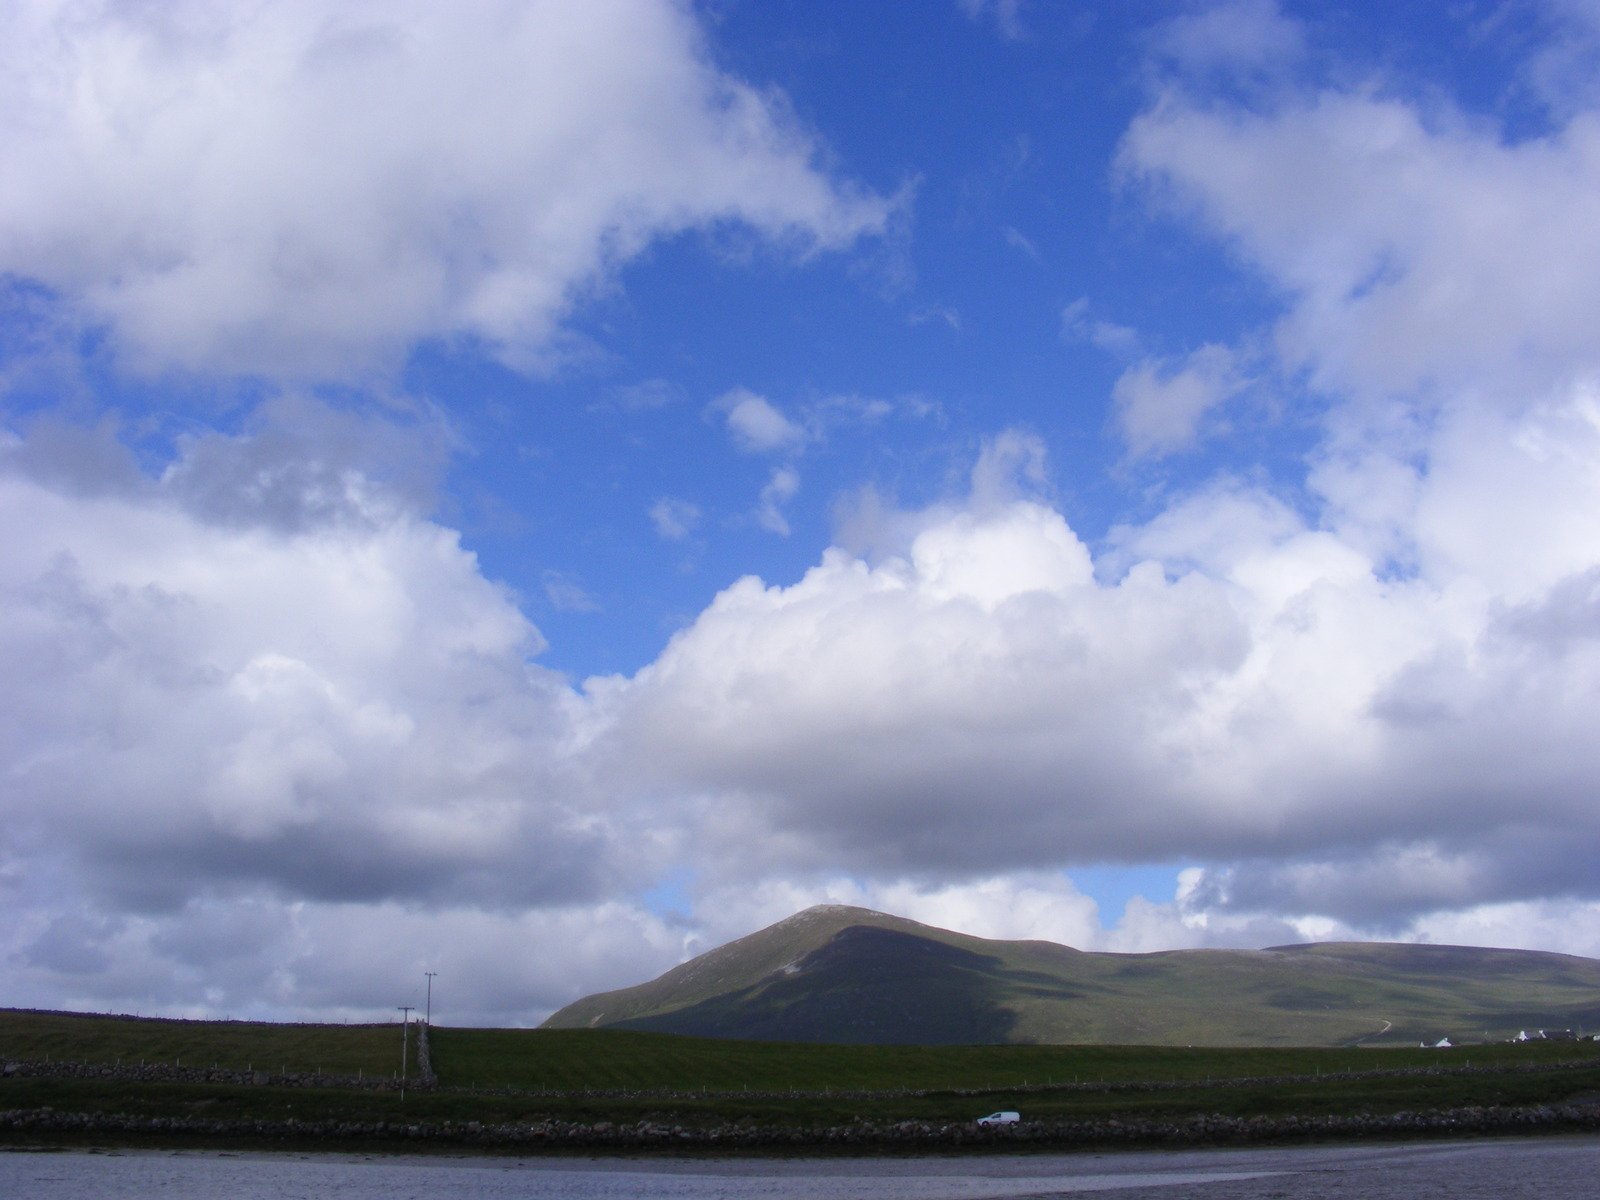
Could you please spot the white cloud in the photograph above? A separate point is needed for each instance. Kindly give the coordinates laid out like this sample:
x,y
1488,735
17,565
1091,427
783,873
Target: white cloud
x,y
1234,684
1564,69
1419,251
949,317
567,594
1020,241
1559,925
779,490
339,707
1037,905
1181,924
1010,466
936,731
1202,914
310,188
978,702
1234,36
756,424
1006,14
257,705
674,519
1161,404
275,753
1120,340
1438,277
253,956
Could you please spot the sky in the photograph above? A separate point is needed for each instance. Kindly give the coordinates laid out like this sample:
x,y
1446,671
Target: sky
x,y
530,491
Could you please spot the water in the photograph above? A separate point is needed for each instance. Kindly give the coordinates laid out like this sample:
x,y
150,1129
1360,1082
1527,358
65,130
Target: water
x,y
1548,1168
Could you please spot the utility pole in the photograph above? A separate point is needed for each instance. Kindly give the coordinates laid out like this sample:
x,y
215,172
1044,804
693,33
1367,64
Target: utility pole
x,y
428,1020
405,1038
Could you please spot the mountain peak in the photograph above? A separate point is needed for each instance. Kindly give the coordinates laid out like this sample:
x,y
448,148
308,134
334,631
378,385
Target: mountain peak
x,y
838,973
833,912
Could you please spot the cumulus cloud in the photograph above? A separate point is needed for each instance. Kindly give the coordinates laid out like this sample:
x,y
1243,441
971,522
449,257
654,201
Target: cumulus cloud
x,y
934,728
1024,905
1240,36
1561,925
1160,405
756,425
1437,276
1206,913
1233,683
1010,466
964,704
300,463
259,703
266,755
337,706
1563,68
217,184
253,956
1421,251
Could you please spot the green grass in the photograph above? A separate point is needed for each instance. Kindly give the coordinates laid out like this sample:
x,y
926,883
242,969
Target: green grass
x,y
1306,1097
495,1076
372,1050
575,1060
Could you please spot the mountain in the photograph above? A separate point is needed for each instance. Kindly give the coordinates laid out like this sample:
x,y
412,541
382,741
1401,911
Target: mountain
x,y
840,974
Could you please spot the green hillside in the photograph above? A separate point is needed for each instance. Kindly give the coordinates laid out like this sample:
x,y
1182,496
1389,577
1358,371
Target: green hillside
x,y
846,975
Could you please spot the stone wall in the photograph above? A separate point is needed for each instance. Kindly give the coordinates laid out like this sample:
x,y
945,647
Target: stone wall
x,y
148,1072
858,1136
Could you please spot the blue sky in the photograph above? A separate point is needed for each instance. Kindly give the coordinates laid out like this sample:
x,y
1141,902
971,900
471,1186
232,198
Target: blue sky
x,y
596,479
1004,215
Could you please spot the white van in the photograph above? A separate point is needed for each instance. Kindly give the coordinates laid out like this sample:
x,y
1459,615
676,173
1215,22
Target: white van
x,y
1001,1118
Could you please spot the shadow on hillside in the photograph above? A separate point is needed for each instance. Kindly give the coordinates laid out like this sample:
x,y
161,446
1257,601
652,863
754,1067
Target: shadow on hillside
x,y
865,986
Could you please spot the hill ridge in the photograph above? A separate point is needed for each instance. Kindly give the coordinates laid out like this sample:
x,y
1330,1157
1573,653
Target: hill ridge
x,y
838,973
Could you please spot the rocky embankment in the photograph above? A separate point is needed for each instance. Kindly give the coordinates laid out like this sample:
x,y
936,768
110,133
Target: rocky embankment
x,y
859,1136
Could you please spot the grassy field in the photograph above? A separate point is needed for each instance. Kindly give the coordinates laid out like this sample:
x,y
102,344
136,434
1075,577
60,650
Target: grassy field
x,y
577,1060
577,1075
1327,1096
372,1050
